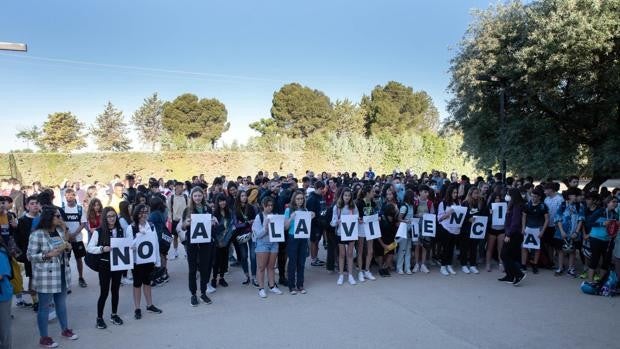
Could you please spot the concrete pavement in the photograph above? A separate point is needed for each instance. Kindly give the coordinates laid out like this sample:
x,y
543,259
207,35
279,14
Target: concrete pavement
x,y
422,310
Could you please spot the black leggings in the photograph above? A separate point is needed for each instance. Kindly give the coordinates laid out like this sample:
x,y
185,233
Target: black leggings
x,y
468,249
282,256
220,262
447,243
511,256
199,258
105,276
600,248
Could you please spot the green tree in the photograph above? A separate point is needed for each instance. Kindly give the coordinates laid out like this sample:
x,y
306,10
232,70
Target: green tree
x,y
30,135
297,111
349,116
147,120
62,132
194,120
110,130
396,108
558,64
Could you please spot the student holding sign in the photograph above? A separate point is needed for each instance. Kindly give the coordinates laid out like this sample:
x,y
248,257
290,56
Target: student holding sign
x,y
345,206
535,219
448,232
406,214
141,230
199,254
365,207
266,251
297,248
423,205
385,245
468,247
223,234
99,244
513,239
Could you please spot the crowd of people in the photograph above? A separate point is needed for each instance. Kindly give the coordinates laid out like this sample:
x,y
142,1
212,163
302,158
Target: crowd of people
x,y
42,228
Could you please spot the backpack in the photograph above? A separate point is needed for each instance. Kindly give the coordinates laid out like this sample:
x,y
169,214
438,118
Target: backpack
x,y
79,209
172,200
429,205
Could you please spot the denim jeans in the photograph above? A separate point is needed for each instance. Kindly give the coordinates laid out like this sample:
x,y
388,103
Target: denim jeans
x,y
60,303
242,255
253,257
297,250
404,254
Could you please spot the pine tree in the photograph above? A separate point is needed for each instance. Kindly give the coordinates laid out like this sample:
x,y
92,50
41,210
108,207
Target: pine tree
x,y
110,130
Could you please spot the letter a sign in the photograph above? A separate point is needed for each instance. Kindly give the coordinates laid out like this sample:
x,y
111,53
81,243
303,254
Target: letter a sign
x,y
200,229
303,221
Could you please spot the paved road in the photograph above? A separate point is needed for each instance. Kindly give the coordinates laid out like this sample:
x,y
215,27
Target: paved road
x,y
433,311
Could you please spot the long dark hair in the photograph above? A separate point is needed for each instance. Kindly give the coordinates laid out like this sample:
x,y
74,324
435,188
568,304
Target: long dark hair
x,y
448,200
135,215
218,211
515,198
46,221
123,208
105,231
157,204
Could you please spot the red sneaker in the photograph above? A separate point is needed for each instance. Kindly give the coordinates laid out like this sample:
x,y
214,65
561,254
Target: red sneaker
x,y
47,342
68,333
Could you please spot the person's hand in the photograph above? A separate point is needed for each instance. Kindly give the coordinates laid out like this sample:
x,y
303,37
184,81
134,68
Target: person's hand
x,y
586,236
563,235
292,216
573,236
507,239
214,221
106,248
312,215
338,223
53,253
605,223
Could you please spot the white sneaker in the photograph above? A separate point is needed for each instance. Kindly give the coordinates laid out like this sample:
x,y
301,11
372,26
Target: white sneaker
x,y
275,290
369,275
261,293
408,272
352,280
451,271
465,269
424,269
51,315
416,268
210,289
400,272
126,281
341,279
360,276
474,270
444,271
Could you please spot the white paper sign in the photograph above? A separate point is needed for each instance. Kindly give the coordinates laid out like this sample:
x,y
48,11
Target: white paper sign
x,y
121,255
147,248
457,217
415,229
531,239
200,228
372,230
402,230
429,225
478,227
276,227
348,227
303,221
499,213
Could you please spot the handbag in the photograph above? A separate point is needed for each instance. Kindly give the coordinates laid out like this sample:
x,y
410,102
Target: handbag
x,y
93,261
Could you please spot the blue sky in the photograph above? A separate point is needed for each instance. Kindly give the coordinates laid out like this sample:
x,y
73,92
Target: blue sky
x,y
85,53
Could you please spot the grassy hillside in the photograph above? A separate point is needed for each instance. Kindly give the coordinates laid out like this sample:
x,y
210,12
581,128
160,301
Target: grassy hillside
x,y
53,168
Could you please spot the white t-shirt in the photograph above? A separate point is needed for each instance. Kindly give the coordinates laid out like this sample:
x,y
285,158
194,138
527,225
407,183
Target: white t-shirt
x,y
73,220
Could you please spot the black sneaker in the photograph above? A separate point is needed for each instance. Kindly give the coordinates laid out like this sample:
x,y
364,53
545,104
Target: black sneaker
x,y
506,279
255,283
153,309
283,282
205,298
194,301
223,282
518,279
101,324
246,282
82,283
387,272
214,283
116,320
35,306
137,314
535,269
382,272
165,278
